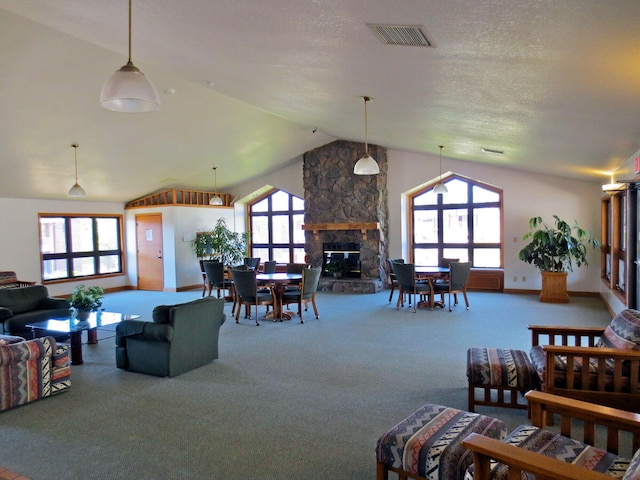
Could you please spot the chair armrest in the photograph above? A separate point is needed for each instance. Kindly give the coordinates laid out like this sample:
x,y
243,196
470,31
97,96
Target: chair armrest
x,y
149,331
5,314
543,405
15,353
564,333
485,449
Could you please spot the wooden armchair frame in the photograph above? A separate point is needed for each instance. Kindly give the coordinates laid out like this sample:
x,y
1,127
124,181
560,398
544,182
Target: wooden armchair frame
x,y
616,386
543,406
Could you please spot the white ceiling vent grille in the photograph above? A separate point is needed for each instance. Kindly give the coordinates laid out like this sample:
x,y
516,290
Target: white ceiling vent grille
x,y
408,35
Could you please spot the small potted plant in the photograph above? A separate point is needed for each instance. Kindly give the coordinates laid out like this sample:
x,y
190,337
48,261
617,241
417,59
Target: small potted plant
x,y
554,250
86,300
337,266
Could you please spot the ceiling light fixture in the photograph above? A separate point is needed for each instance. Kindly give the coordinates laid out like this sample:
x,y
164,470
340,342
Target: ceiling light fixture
x,y
366,165
128,90
76,190
613,187
440,187
492,150
216,200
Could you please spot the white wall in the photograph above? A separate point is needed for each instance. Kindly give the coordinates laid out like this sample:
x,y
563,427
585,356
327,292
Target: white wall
x,y
20,250
179,228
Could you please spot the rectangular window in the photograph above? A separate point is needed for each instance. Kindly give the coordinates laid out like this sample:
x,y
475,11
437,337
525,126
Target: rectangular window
x,y
80,246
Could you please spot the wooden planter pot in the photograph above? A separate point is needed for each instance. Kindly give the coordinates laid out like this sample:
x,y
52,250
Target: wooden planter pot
x,y
554,287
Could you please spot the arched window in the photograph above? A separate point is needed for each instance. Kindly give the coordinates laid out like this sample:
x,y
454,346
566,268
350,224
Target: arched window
x,y
464,223
276,221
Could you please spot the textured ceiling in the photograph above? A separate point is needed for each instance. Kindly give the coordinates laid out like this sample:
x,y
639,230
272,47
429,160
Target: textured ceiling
x,y
553,84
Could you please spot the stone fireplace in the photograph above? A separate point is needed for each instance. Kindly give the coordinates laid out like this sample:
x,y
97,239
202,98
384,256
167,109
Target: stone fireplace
x,y
344,208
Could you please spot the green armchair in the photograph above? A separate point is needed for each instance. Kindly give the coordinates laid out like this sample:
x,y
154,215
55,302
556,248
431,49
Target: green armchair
x,y
180,338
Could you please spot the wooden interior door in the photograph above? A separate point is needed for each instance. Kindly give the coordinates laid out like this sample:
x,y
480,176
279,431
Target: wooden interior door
x,y
149,251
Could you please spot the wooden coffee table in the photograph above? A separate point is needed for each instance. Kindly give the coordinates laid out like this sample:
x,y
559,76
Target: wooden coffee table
x,y
75,327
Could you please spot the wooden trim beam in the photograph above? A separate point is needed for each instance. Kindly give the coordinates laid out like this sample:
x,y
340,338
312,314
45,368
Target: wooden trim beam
x,y
362,226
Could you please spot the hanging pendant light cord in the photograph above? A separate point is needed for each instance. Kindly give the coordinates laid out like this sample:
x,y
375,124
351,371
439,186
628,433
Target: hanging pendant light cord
x,y
129,31
366,127
75,154
440,178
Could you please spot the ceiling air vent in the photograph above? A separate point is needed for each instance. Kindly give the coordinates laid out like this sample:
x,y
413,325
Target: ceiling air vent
x,y
409,35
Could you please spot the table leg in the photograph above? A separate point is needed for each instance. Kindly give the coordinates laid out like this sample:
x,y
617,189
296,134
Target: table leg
x,y
76,348
92,336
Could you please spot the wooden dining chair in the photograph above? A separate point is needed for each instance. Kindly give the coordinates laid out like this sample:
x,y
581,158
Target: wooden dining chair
x,y
391,276
215,276
269,266
295,268
246,288
408,285
252,262
307,292
456,283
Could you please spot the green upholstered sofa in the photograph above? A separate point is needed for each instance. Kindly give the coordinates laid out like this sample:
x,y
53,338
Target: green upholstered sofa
x,y
20,306
180,338
31,370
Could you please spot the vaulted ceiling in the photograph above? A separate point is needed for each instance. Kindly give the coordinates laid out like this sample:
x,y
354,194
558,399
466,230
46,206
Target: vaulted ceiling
x,y
248,86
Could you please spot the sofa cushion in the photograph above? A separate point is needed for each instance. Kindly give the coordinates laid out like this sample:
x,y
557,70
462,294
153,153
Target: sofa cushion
x,y
623,331
633,472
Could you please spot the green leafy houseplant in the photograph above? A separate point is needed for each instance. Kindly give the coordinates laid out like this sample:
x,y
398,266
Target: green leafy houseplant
x,y
337,266
86,299
556,248
221,243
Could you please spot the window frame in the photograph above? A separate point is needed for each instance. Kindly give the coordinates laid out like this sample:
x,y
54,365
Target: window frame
x,y
613,241
95,253
270,213
469,205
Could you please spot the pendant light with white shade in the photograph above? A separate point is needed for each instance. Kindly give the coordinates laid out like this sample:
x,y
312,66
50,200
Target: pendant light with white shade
x,y
128,90
440,187
76,190
216,200
366,165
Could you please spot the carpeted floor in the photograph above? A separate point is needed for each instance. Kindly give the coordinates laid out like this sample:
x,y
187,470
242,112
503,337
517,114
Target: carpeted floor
x,y
283,401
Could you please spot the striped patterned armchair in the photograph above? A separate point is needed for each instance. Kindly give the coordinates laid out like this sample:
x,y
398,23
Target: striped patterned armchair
x,y
31,370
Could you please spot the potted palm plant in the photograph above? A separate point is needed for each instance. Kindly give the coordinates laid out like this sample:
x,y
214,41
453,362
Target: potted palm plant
x,y
221,243
554,250
86,300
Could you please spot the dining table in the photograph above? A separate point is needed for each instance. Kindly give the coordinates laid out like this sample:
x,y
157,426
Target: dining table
x,y
278,282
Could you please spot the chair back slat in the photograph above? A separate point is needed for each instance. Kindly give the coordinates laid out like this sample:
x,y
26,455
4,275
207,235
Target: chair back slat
x,y
270,267
310,279
245,283
296,267
406,275
445,262
459,274
252,262
214,271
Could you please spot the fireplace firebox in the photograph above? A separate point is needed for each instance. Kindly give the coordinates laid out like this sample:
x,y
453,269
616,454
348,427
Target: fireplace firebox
x,y
349,252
